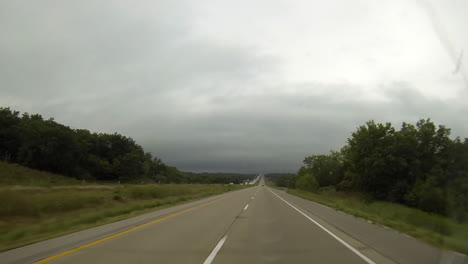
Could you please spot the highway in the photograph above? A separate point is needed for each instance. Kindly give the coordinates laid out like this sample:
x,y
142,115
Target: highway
x,y
253,225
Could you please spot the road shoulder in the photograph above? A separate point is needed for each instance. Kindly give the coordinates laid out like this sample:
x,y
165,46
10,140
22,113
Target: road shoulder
x,y
374,239
44,249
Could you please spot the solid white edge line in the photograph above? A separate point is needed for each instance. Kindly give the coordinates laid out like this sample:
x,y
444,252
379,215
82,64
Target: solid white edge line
x,y
211,257
368,260
247,206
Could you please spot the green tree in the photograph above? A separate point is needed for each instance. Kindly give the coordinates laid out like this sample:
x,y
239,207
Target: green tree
x,y
327,169
9,134
373,164
307,182
47,145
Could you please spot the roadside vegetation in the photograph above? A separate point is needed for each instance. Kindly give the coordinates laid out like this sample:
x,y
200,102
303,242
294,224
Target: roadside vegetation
x,y
14,174
414,180
30,214
45,145
55,180
438,230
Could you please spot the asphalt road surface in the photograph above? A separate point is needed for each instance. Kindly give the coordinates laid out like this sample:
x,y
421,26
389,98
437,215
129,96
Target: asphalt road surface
x,y
254,225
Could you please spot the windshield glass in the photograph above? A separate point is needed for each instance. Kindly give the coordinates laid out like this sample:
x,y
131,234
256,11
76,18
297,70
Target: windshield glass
x,y
360,106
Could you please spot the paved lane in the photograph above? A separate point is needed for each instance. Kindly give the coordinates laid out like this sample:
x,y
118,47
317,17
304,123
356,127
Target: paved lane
x,y
185,238
254,225
270,231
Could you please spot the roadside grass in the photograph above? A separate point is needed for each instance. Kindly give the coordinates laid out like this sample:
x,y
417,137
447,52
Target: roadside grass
x,y
29,215
440,231
14,174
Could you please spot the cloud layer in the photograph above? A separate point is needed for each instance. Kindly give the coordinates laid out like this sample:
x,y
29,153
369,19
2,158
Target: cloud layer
x,y
224,86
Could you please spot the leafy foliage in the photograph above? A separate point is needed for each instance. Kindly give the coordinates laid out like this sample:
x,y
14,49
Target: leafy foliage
x,y
327,169
46,145
287,180
307,182
418,165
410,166
218,177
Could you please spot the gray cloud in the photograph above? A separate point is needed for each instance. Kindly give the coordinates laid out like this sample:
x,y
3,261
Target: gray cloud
x,y
200,102
276,132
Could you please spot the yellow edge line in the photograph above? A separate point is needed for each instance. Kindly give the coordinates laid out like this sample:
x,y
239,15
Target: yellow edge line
x,y
124,232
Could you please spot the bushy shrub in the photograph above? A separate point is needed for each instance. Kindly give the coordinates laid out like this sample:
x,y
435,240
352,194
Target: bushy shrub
x,y
427,197
307,182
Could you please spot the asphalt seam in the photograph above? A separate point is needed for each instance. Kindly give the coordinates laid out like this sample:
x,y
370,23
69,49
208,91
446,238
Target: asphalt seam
x,y
224,236
215,251
344,243
369,246
343,231
128,230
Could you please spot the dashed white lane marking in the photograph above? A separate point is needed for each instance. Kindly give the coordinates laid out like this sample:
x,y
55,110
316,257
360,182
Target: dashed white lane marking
x,y
211,257
368,260
215,251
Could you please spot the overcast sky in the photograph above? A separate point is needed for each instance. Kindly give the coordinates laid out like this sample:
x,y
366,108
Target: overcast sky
x,y
243,86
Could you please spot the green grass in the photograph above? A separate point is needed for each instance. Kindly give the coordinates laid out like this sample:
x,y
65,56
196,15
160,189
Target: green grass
x,y
14,174
36,205
437,230
29,215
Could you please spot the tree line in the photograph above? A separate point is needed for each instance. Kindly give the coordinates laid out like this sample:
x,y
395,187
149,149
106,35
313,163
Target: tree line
x,y
218,177
418,165
43,144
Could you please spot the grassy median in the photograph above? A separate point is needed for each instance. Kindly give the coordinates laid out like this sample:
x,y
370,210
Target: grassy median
x,y
443,232
29,215
35,205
